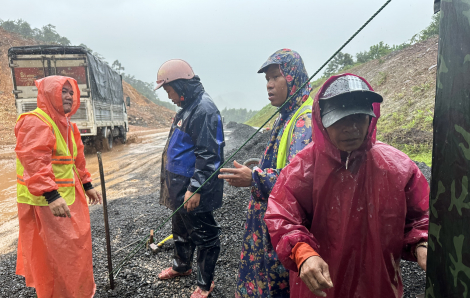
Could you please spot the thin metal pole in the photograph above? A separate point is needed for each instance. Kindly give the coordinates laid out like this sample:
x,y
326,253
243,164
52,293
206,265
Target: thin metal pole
x,y
106,224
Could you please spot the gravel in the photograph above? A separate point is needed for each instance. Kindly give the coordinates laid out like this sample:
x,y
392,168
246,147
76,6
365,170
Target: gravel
x,y
131,218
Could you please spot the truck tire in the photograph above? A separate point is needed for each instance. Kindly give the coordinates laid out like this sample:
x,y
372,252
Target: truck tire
x,y
108,142
123,137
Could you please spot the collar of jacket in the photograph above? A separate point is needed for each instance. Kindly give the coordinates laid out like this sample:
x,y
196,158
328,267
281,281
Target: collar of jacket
x,y
190,90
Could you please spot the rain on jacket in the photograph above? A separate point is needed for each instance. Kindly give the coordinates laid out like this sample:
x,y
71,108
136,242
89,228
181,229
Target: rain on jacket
x,y
36,140
63,166
194,150
362,218
54,254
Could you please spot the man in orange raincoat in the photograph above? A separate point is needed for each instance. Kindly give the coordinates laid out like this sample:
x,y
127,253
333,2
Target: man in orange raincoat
x,y
54,244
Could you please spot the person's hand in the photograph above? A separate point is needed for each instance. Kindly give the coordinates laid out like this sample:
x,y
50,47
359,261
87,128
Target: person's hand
x,y
193,203
421,255
94,197
240,176
315,274
59,208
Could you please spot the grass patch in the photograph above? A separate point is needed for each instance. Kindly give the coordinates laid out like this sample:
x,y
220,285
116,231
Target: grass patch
x,y
425,157
421,88
261,117
382,78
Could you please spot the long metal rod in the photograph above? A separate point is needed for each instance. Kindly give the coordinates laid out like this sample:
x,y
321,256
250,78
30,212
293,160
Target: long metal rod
x,y
106,223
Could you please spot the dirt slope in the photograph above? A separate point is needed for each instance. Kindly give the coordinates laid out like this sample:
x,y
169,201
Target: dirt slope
x,y
407,80
142,112
7,100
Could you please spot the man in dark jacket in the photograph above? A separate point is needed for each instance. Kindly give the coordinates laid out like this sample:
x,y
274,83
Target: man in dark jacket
x,y
193,152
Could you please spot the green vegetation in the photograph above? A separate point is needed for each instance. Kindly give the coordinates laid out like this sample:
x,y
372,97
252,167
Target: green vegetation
x,y
382,78
339,62
344,61
261,117
47,34
237,115
421,88
423,156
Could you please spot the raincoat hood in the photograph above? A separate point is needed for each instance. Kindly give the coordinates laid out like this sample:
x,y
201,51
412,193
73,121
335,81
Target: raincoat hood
x,y
190,89
293,69
50,99
319,134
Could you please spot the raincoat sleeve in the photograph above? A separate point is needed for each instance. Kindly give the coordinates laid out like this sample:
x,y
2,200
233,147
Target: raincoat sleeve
x,y
34,145
417,212
80,162
290,206
264,180
206,132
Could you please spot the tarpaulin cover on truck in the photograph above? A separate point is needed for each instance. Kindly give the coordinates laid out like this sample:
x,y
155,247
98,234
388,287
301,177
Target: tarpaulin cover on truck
x,y
106,84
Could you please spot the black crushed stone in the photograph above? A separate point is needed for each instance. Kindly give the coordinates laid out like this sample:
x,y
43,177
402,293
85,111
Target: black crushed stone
x,y
231,124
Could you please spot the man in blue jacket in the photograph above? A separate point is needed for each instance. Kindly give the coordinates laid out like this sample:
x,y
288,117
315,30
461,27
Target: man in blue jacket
x,y
193,152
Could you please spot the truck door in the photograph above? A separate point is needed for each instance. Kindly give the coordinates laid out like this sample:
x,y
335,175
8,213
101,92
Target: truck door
x,y
74,68
25,72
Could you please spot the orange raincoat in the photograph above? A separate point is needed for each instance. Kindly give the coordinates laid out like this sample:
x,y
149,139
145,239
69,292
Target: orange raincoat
x,y
54,253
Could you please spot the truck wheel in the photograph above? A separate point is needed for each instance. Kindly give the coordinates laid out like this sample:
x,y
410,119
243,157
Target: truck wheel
x,y
108,142
123,136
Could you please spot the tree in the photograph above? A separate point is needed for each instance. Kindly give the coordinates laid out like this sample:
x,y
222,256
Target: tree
x,y
117,66
429,31
47,34
339,62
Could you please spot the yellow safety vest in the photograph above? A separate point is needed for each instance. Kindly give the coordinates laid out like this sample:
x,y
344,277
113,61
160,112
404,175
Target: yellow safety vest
x,y
63,167
284,145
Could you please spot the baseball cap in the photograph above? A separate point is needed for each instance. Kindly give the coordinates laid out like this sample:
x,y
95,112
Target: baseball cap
x,y
347,95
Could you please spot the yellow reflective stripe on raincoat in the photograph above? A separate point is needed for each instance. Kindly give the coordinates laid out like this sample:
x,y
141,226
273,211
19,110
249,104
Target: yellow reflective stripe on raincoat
x,y
284,145
63,167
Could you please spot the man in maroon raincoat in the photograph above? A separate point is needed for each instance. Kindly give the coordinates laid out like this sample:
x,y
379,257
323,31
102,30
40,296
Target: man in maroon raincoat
x,y
348,208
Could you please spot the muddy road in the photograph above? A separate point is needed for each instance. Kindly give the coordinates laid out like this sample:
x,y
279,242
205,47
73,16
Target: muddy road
x,y
129,169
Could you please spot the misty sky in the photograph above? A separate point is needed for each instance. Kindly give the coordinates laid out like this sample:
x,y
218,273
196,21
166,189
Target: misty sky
x,y
225,42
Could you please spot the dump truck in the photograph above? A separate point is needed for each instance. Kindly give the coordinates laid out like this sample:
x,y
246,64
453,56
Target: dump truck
x,y
102,116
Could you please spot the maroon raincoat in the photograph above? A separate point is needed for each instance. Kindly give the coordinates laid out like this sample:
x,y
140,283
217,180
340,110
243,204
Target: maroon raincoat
x,y
361,217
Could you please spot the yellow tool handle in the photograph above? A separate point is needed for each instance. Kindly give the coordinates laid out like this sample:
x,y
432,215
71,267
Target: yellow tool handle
x,y
160,244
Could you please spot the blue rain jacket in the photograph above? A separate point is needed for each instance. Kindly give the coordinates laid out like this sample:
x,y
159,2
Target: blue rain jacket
x,y
194,150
